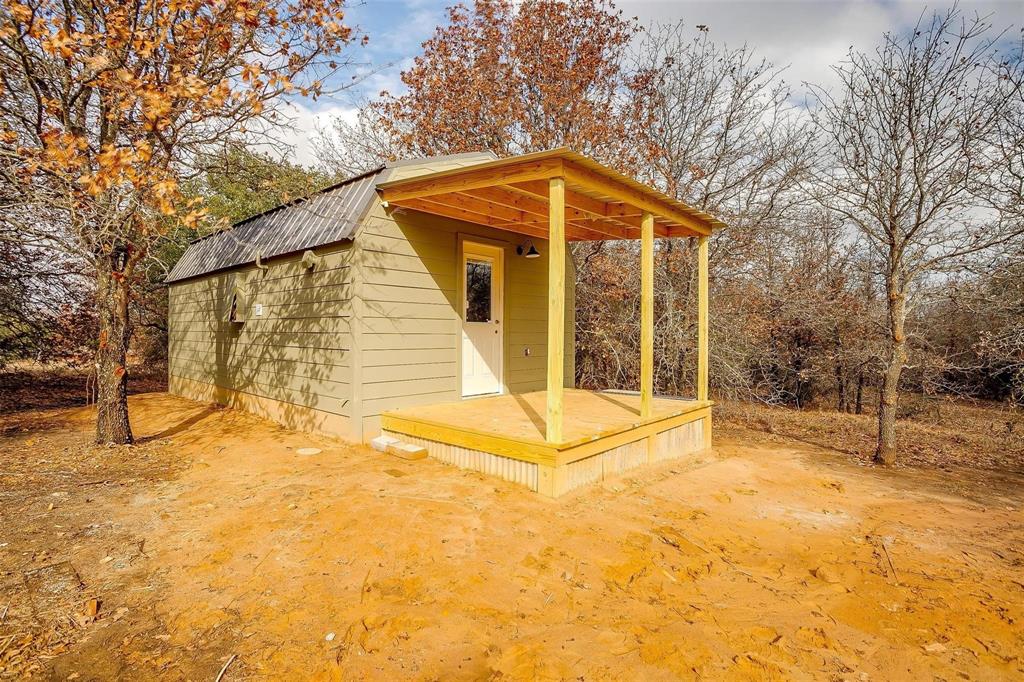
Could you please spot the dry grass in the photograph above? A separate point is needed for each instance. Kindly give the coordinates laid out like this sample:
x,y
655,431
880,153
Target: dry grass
x,y
214,540
56,526
30,386
933,433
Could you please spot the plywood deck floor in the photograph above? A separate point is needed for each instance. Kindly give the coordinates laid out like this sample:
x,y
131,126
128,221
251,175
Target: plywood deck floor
x,y
588,416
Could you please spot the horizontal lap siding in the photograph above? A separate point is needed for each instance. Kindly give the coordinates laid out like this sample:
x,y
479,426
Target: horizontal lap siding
x,y
383,311
299,352
259,368
526,317
322,335
410,286
409,328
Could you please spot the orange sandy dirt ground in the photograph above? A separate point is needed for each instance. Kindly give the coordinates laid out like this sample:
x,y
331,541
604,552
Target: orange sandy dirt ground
x,y
761,560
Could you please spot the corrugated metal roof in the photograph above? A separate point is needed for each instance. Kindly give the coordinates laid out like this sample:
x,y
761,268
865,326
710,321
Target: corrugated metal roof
x,y
333,214
328,216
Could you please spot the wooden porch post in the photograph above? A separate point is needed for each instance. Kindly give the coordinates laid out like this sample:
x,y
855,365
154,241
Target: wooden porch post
x,y
702,318
556,308
646,314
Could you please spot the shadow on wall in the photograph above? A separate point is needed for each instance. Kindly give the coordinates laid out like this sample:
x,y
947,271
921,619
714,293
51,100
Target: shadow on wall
x,y
411,312
296,356
413,290
288,350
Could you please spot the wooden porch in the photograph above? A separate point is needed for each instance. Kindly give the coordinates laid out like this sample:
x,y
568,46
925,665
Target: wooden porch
x,y
604,433
560,438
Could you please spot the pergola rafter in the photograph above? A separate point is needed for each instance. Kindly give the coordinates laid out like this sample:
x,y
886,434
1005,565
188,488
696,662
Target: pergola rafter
x,y
562,196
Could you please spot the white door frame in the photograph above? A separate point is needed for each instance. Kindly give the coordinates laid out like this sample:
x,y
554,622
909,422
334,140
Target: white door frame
x,y
495,253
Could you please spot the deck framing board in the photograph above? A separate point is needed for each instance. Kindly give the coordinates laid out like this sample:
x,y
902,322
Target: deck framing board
x,y
536,450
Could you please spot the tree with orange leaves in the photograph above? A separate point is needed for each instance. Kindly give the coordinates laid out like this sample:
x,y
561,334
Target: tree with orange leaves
x,y
515,78
106,105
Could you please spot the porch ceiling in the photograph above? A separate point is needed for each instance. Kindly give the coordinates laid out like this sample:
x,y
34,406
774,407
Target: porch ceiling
x,y
512,194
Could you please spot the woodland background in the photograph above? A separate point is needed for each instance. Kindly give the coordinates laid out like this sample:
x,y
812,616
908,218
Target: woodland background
x,y
897,194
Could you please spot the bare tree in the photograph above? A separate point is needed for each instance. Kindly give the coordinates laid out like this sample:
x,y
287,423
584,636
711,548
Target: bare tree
x,y
1002,187
908,133
346,148
1002,343
719,133
105,105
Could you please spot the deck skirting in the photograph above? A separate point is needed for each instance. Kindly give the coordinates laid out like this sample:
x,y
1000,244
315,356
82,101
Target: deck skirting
x,y
505,468
680,437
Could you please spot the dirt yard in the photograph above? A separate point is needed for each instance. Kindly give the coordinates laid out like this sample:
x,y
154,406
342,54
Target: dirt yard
x,y
214,542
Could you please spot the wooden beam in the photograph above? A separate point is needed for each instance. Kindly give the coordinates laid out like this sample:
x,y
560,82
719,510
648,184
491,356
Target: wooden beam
x,y
511,199
573,231
611,197
535,211
628,212
702,319
460,180
626,194
574,201
647,315
483,207
594,231
577,222
623,210
614,213
447,211
680,232
618,208
539,190
556,310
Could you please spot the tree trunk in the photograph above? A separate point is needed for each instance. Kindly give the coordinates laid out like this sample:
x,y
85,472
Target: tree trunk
x,y
112,425
842,404
889,398
840,388
859,409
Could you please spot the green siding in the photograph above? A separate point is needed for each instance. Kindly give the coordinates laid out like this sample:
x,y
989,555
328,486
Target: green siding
x,y
375,326
408,281
298,352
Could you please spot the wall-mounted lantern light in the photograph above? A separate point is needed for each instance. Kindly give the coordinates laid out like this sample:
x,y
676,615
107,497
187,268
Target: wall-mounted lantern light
x,y
527,250
310,259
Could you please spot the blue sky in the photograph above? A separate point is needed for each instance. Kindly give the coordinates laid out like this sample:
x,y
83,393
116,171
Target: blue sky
x,y
397,29
806,36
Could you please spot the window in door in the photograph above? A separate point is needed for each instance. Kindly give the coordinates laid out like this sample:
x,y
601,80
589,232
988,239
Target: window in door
x,y
478,290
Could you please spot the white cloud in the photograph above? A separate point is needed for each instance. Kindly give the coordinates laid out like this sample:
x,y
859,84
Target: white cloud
x,y
397,29
806,37
295,140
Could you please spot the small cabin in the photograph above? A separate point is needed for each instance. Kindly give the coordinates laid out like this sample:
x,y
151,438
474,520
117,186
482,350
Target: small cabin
x,y
431,301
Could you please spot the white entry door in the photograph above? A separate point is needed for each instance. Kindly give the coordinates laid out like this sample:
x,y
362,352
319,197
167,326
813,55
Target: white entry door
x,y
483,336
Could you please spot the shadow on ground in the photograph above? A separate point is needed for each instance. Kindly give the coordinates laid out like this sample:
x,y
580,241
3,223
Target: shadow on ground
x,y
765,559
